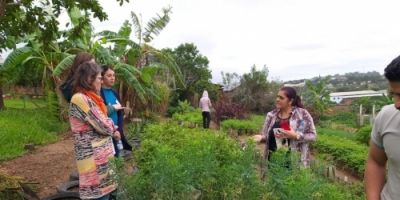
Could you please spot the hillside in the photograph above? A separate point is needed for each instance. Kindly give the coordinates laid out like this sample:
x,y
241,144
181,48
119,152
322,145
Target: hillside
x,y
351,81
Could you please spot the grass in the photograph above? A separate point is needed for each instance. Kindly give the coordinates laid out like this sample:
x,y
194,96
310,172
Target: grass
x,y
336,132
25,103
25,126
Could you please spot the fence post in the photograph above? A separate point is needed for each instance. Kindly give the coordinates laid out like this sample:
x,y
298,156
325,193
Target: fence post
x,y
361,116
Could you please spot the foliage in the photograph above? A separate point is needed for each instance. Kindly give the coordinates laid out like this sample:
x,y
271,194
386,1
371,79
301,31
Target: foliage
x,y
336,132
347,152
345,118
316,98
180,163
192,118
226,109
27,126
248,126
22,18
183,107
363,135
255,92
194,68
368,102
287,181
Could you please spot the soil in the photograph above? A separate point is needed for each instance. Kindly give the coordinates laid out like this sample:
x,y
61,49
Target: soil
x,y
48,166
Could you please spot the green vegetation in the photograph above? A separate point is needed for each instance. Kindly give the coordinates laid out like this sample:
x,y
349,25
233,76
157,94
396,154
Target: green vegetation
x,y
24,103
344,118
26,126
336,133
363,135
295,183
193,118
249,126
347,152
181,163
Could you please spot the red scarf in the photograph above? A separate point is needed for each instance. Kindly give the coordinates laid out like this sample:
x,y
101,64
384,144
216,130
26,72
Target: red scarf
x,y
97,99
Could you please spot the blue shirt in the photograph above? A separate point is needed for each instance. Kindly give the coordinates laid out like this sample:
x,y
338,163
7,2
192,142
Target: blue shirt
x,y
111,99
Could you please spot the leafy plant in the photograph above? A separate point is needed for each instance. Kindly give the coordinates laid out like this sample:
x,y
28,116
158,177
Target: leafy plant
x,y
180,163
286,180
363,135
348,153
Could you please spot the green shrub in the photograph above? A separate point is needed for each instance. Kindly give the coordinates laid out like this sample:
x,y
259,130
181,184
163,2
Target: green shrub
x,y
363,135
347,152
249,126
295,183
345,118
180,163
183,107
195,118
336,132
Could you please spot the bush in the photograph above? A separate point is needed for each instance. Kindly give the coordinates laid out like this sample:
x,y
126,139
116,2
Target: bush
x,y
225,109
349,153
296,183
181,163
249,126
183,107
363,135
193,118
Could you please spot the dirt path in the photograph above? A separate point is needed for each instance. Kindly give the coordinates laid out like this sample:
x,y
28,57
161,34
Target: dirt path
x,y
48,165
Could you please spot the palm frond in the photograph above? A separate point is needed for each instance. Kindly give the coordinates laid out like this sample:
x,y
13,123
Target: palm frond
x,y
123,35
137,25
167,61
125,73
148,73
64,65
106,34
157,24
17,56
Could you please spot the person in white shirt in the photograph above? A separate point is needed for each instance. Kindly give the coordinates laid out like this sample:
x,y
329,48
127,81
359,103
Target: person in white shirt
x,y
205,105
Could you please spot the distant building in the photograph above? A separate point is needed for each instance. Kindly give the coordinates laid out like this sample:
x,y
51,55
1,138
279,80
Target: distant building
x,y
340,97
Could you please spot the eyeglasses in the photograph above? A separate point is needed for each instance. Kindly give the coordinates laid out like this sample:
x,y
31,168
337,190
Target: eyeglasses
x,y
100,78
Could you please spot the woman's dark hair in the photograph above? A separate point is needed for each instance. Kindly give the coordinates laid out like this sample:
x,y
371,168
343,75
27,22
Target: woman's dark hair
x,y
105,68
80,58
85,75
291,94
392,71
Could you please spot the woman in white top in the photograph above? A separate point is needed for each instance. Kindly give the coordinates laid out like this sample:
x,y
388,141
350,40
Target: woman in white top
x,y
205,105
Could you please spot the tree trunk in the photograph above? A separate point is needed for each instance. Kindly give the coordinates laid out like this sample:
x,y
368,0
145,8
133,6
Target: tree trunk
x,y
2,106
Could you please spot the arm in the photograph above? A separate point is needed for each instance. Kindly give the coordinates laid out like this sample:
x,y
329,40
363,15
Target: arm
x,y
375,171
309,134
92,114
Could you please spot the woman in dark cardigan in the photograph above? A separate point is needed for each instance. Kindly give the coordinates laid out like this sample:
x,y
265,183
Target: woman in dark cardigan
x,y
112,101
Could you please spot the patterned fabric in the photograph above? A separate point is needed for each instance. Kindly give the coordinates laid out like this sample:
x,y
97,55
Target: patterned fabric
x,y
301,122
92,132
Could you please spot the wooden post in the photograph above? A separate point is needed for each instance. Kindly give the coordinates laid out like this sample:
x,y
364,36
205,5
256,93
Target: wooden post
x,y
373,114
361,116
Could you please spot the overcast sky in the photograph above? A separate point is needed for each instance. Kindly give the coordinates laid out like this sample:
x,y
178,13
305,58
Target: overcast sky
x,y
294,39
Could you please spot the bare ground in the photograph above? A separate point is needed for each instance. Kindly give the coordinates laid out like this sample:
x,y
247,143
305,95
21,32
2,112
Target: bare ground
x,y
48,166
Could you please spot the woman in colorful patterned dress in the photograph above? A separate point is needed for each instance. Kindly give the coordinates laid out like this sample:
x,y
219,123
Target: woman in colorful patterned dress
x,y
93,132
295,123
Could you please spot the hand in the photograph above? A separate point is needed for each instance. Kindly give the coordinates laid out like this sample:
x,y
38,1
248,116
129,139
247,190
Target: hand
x,y
291,134
117,135
258,138
118,106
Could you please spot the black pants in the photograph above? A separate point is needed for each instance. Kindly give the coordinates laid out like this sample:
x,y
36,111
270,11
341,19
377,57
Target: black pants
x,y
206,119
